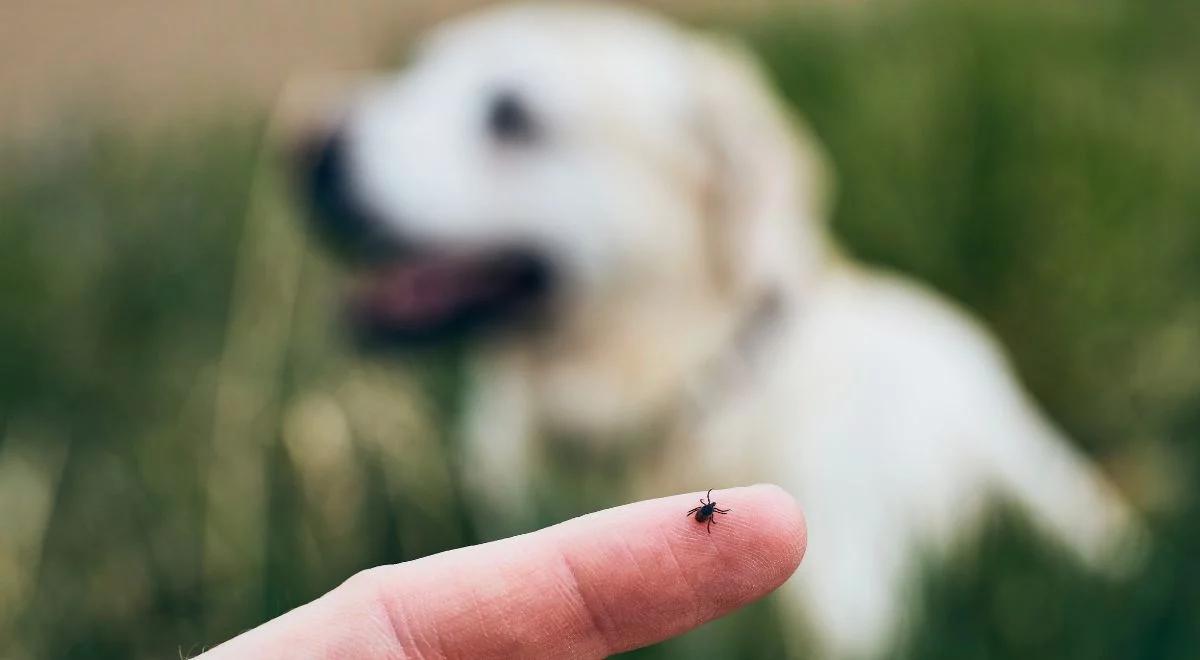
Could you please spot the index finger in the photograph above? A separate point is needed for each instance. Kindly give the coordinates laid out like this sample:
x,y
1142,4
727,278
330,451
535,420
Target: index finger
x,y
590,587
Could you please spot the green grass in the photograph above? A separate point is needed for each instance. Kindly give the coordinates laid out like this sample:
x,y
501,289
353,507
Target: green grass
x,y
1037,163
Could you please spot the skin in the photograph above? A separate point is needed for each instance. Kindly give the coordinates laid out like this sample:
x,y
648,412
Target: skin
x,y
600,584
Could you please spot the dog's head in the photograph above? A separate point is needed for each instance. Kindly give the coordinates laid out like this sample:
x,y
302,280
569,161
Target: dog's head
x,y
538,158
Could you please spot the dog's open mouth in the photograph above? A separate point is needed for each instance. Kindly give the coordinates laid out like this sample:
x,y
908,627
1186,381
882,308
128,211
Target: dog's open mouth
x,y
409,292
429,296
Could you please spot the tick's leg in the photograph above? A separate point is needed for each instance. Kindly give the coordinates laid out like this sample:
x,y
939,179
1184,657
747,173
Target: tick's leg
x,y
692,511
710,525
722,510
709,496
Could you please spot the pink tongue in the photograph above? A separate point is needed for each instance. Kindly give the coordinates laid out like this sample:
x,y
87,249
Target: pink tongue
x,y
413,292
424,291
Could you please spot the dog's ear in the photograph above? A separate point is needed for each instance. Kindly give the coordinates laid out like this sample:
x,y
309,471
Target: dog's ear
x,y
767,181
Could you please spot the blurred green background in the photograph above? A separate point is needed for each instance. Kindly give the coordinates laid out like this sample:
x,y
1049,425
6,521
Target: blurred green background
x,y
188,447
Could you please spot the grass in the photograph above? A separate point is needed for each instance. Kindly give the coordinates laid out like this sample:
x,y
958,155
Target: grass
x,y
1036,163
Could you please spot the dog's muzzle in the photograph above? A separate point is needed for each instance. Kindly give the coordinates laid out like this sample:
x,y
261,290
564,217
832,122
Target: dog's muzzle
x,y
410,293
342,221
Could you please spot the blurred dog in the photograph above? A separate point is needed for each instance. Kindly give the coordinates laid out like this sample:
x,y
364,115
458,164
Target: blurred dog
x,y
640,225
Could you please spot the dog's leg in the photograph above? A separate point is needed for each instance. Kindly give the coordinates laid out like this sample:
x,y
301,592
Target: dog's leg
x,y
1063,491
497,432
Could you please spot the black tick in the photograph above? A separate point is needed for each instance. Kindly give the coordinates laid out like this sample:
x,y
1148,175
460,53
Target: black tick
x,y
704,513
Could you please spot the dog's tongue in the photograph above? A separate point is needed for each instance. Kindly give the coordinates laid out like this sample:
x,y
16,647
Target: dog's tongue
x,y
424,293
418,292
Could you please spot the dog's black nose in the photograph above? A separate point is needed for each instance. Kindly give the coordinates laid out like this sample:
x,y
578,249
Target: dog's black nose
x,y
327,160
324,182
337,214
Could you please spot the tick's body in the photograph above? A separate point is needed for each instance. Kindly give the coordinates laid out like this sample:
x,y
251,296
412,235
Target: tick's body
x,y
704,512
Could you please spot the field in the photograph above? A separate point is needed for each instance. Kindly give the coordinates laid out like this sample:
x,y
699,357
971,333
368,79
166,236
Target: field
x,y
188,447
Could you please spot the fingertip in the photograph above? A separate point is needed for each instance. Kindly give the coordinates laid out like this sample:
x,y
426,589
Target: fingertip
x,y
750,552
767,530
787,524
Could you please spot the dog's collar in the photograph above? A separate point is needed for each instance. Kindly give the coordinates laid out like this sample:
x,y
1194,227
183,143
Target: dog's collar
x,y
729,371
720,383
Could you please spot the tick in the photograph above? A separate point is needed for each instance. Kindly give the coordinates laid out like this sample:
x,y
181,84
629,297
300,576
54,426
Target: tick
x,y
704,512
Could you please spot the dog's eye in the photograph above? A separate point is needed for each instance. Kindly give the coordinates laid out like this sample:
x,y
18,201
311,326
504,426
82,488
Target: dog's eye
x,y
508,119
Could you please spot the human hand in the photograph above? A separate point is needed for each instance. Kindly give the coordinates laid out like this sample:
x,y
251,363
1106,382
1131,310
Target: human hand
x,y
600,584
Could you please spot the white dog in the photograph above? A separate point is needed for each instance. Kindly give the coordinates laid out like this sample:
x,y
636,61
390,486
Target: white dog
x,y
641,225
